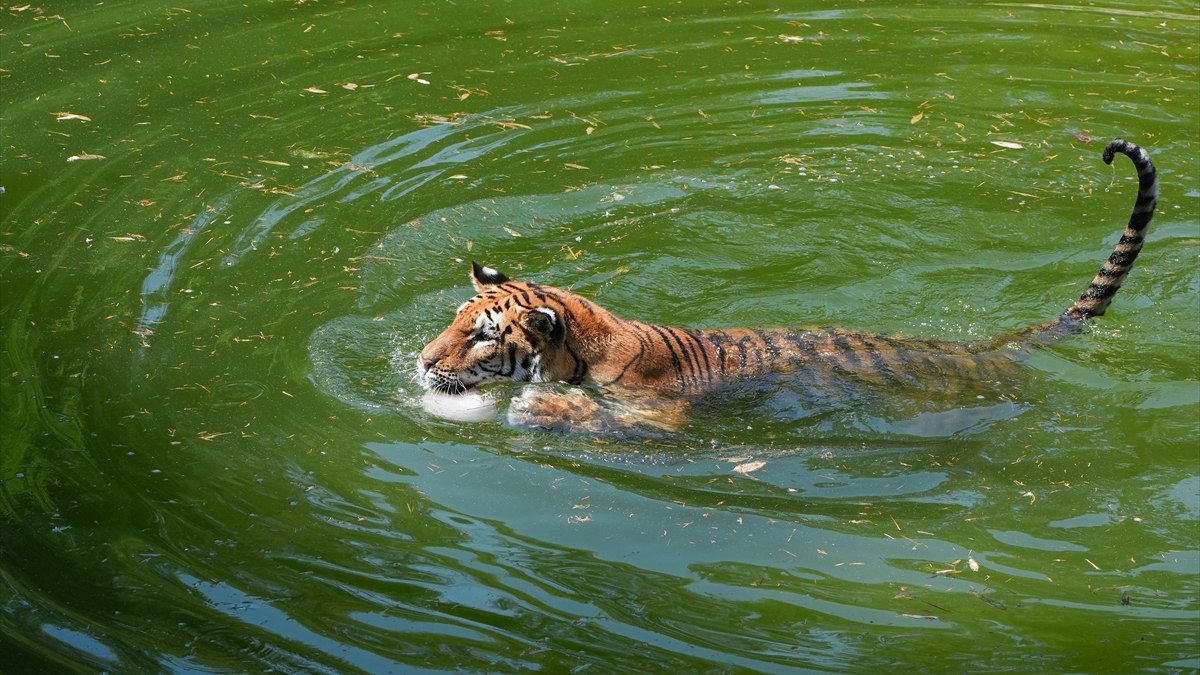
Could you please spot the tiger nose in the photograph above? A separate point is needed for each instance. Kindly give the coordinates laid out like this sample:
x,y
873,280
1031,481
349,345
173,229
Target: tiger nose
x,y
427,360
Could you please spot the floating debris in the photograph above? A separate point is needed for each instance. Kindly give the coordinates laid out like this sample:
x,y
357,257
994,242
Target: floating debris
x,y
749,467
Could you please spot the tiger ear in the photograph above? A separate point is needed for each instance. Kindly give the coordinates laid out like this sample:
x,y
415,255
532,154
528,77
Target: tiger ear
x,y
485,276
544,321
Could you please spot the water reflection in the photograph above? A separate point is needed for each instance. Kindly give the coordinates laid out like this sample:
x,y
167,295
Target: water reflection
x,y
156,287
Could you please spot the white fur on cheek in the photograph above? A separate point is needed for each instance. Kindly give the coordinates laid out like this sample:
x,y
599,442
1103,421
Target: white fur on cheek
x,y
535,370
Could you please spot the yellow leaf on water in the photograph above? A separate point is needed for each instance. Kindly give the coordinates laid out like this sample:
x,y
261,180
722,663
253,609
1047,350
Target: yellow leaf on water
x,y
66,116
916,118
570,165
1009,144
84,156
315,90
274,162
511,124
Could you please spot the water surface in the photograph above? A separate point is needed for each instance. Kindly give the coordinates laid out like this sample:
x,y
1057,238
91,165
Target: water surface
x,y
227,229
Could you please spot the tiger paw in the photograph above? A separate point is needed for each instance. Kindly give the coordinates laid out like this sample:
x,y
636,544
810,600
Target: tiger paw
x,y
556,409
573,409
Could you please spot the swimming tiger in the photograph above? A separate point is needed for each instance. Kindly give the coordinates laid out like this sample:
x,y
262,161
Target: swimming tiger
x,y
525,332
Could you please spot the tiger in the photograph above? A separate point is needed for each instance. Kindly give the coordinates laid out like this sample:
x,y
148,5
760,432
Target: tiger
x,y
648,374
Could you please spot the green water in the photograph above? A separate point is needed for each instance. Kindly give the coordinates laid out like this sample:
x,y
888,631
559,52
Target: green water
x,y
227,229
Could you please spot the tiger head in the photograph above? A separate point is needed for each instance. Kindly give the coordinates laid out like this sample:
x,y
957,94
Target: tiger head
x,y
510,331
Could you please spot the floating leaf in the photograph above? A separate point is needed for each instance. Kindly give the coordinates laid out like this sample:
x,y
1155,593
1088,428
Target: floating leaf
x,y
84,157
917,118
571,165
274,162
315,90
416,77
1009,144
66,116
749,466
510,124
350,85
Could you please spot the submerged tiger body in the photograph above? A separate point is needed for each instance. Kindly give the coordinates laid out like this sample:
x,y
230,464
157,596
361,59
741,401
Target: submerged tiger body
x,y
526,332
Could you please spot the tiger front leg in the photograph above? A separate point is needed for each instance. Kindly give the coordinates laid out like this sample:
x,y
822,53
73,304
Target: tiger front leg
x,y
574,410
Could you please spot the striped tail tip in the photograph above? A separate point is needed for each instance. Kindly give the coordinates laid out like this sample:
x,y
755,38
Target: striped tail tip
x,y
1095,300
